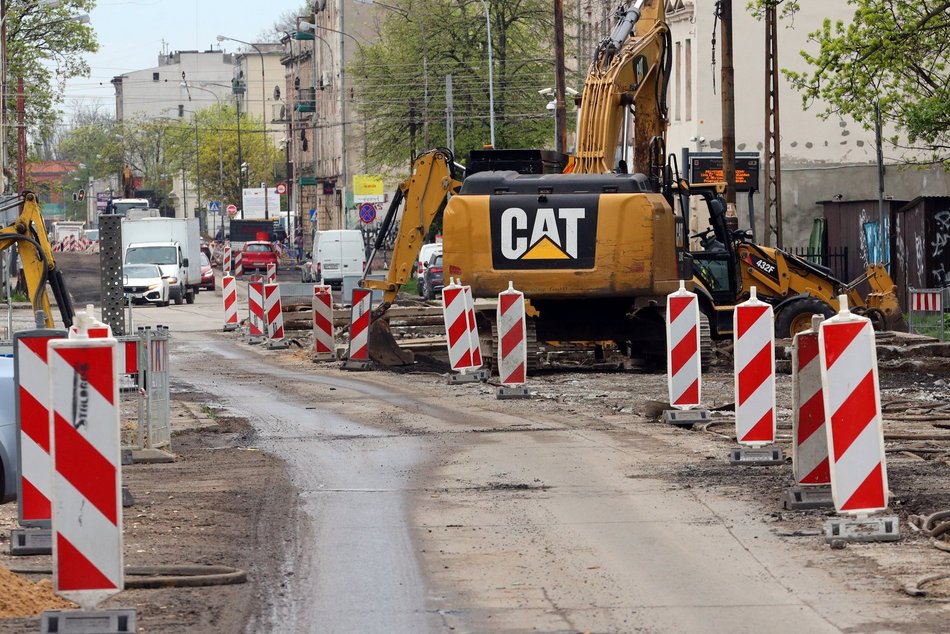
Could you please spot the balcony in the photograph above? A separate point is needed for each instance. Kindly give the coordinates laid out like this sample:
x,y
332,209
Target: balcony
x,y
306,100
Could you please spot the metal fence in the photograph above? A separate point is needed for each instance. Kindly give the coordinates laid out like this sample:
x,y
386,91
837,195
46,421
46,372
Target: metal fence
x,y
926,314
144,389
835,259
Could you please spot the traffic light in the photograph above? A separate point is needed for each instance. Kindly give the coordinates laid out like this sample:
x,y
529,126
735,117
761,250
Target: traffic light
x,y
81,195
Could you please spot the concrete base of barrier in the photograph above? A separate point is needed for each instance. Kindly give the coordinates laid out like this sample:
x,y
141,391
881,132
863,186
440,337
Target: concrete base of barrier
x,y
31,541
756,456
476,376
686,417
356,364
276,345
114,621
802,498
254,340
230,327
863,529
325,356
151,456
505,392
127,498
125,457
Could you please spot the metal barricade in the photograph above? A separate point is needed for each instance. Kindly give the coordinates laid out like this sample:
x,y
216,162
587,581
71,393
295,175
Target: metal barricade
x,y
131,395
927,314
154,359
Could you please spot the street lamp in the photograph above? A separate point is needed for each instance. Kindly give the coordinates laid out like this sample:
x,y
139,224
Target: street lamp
x,y
186,85
491,81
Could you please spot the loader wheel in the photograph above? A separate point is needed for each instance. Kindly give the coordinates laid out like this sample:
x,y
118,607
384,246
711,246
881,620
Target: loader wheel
x,y
796,316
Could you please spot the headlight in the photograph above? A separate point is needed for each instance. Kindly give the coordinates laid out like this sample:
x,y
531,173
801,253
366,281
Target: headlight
x,y
154,287
172,280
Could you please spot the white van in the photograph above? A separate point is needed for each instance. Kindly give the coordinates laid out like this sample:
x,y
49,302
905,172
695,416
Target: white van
x,y
335,254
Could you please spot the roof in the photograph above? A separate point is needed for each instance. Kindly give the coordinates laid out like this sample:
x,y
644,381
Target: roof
x,y
917,200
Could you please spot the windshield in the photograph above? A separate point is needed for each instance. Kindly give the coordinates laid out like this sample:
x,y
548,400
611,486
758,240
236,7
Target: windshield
x,y
204,260
257,248
141,270
151,255
122,209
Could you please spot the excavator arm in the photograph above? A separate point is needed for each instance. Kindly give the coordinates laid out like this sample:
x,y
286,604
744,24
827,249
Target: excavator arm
x,y
627,71
39,265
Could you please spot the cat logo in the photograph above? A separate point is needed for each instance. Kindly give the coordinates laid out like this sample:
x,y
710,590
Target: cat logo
x,y
559,232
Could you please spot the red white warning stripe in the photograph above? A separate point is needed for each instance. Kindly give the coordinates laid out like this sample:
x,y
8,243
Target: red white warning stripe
x,y
359,324
810,440
475,343
852,401
229,293
271,273
87,508
255,309
323,345
238,265
456,326
226,261
927,301
512,337
158,355
684,376
33,405
755,371
273,312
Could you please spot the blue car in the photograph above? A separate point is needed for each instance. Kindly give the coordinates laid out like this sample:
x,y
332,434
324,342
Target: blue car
x,y
8,437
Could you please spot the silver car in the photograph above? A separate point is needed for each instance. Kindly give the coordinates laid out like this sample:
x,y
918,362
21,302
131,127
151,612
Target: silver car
x,y
8,437
143,283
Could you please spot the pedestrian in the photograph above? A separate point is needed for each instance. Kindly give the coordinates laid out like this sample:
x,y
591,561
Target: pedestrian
x,y
298,244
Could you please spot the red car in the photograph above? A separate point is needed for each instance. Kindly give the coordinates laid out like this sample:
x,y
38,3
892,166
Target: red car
x,y
207,273
257,255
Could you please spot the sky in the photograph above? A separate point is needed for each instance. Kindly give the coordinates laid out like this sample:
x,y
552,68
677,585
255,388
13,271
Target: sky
x,y
131,35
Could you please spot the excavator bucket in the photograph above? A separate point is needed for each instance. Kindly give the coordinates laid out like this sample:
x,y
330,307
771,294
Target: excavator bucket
x,y
383,348
883,307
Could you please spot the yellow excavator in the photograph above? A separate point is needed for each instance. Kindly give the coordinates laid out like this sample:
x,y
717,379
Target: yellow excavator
x,y
595,251
28,233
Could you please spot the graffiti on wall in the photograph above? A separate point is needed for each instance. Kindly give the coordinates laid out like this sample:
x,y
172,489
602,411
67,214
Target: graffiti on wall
x,y
940,248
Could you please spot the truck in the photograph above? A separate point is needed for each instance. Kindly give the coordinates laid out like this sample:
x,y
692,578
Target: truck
x,y
121,206
174,244
68,229
594,246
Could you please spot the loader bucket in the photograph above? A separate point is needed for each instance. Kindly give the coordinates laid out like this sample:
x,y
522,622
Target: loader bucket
x,y
383,348
883,307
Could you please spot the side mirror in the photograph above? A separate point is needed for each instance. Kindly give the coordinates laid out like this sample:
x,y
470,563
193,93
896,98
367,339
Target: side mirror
x,y
184,263
425,264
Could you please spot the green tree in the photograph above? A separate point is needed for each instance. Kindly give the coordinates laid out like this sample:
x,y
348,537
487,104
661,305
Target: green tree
x,y
92,141
390,99
894,55
45,46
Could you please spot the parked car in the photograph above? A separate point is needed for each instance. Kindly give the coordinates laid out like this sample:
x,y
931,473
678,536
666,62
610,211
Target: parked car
x,y
144,284
257,255
207,274
432,279
8,435
425,253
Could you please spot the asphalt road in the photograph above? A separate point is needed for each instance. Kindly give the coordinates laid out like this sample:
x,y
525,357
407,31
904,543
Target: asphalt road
x,y
431,507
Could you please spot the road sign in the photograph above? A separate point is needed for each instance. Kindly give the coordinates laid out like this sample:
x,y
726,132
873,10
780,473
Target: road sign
x,y
281,188
214,206
313,214
232,210
367,212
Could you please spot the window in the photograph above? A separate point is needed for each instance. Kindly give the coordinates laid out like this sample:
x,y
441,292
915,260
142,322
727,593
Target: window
x,y
677,75
688,79
181,110
154,76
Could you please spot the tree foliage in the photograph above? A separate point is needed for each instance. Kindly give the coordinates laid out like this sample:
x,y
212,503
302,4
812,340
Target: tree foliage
x,y
390,80
894,54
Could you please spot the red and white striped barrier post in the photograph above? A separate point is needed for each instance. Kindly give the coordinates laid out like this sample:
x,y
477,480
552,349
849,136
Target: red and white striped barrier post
x,y
34,486
473,329
512,344
458,311
271,273
238,265
229,294
926,314
852,402
274,316
754,354
812,487
683,359
324,347
358,357
255,312
226,261
87,481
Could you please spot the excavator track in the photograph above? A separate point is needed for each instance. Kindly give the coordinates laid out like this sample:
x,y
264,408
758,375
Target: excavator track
x,y
534,348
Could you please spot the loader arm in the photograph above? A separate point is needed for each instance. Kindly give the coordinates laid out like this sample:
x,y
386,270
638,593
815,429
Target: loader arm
x,y
423,194
626,71
39,265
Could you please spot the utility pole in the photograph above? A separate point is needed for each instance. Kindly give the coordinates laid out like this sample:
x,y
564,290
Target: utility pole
x,y
3,92
237,107
727,82
879,151
21,137
449,114
560,108
772,161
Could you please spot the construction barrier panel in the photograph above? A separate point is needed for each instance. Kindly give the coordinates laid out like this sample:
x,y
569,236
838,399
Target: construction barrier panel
x,y
359,324
255,309
272,312
229,295
31,376
323,344
476,343
927,315
684,372
809,437
131,396
87,499
271,273
512,337
226,261
155,383
754,355
458,339
238,265
851,394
